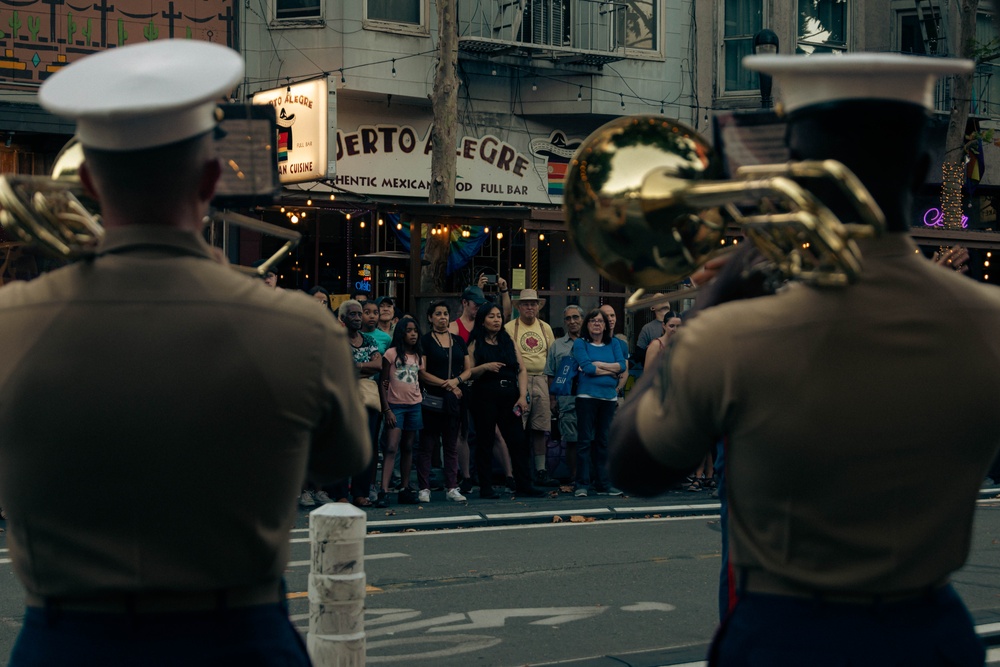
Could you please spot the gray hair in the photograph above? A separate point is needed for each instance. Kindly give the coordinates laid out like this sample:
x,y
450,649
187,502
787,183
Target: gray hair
x,y
342,309
573,306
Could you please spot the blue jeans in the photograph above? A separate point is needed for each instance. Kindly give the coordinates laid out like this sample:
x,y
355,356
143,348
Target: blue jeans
x,y
260,636
593,422
781,631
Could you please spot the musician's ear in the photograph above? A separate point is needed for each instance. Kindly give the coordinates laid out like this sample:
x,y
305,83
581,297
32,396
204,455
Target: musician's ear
x,y
211,171
87,180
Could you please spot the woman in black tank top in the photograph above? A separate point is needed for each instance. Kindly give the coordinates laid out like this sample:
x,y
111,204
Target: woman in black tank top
x,y
498,400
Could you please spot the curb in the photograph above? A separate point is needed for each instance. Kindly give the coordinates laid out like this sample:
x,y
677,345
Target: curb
x,y
473,519
492,519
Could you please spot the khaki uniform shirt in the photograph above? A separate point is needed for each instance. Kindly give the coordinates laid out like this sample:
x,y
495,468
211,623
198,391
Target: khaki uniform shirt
x,y
533,340
860,422
157,411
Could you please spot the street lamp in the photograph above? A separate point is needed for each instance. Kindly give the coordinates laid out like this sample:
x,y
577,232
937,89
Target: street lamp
x,y
765,42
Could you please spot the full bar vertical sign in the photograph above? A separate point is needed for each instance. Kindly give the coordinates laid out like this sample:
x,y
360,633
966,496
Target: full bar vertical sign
x,y
302,117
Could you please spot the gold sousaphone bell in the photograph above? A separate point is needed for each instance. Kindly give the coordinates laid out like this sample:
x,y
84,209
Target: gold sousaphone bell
x,y
53,213
645,204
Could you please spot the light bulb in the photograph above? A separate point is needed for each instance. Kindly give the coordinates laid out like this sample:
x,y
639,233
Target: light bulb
x,y
362,224
348,216
499,236
295,219
309,202
579,95
380,223
399,225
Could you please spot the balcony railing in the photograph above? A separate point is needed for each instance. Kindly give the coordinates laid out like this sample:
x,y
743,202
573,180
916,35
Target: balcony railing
x,y
587,31
985,101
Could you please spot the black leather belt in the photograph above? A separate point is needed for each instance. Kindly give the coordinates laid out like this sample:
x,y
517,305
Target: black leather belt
x,y
761,581
153,602
508,383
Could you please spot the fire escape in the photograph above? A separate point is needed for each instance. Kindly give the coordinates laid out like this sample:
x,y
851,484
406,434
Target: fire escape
x,y
585,32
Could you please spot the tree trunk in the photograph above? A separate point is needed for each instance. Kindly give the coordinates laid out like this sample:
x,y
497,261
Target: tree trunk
x,y
953,166
443,141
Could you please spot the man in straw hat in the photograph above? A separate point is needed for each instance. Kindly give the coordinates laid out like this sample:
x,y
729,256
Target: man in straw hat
x,y
843,534
174,402
533,338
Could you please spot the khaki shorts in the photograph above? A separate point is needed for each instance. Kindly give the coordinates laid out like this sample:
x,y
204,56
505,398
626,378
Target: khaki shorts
x,y
567,417
539,418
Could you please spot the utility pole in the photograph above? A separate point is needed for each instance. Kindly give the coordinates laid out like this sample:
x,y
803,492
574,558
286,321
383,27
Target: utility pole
x,y
444,101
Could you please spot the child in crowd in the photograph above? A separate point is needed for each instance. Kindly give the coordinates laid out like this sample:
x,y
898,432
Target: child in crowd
x,y
400,393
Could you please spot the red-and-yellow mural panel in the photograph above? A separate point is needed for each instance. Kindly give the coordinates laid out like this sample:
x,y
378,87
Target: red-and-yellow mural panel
x,y
37,37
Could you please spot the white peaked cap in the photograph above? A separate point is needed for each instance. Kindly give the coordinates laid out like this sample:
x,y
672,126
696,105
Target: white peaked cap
x,y
143,96
803,81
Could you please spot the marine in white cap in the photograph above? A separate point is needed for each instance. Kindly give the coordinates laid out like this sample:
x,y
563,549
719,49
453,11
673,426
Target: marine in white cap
x,y
850,497
160,411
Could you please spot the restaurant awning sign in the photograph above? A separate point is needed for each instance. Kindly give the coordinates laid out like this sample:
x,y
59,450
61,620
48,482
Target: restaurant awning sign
x,y
302,116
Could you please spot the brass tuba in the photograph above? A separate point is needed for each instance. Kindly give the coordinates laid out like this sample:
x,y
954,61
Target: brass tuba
x,y
53,213
645,204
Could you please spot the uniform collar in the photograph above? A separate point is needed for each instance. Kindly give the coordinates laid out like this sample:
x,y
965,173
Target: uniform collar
x,y
158,237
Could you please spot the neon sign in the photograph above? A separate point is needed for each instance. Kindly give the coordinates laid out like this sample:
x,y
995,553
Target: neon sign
x,y
365,284
933,217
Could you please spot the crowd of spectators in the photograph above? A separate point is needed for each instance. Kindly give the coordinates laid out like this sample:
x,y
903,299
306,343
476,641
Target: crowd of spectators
x,y
432,386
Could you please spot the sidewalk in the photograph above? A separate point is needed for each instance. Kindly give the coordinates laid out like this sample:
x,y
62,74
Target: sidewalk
x,y
510,509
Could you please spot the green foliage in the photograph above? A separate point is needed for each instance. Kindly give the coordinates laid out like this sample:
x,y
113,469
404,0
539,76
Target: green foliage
x,y
983,52
150,32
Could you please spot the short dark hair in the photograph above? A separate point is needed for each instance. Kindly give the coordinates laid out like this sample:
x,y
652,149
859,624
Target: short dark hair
x,y
438,304
594,314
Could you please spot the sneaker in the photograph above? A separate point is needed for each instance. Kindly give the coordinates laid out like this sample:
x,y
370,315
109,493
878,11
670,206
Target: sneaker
x,y
511,484
466,485
611,491
580,492
322,497
424,496
382,500
306,499
456,495
542,478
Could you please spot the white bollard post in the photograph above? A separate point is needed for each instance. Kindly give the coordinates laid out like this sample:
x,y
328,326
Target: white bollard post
x,y
337,586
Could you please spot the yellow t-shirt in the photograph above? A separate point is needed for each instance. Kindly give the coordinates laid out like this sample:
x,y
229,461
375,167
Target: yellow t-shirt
x,y
533,341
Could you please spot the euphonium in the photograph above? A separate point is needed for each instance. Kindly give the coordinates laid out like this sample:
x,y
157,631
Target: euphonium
x,y
53,213
645,205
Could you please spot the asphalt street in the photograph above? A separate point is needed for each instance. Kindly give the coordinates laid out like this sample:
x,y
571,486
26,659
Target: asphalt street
x,y
597,581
